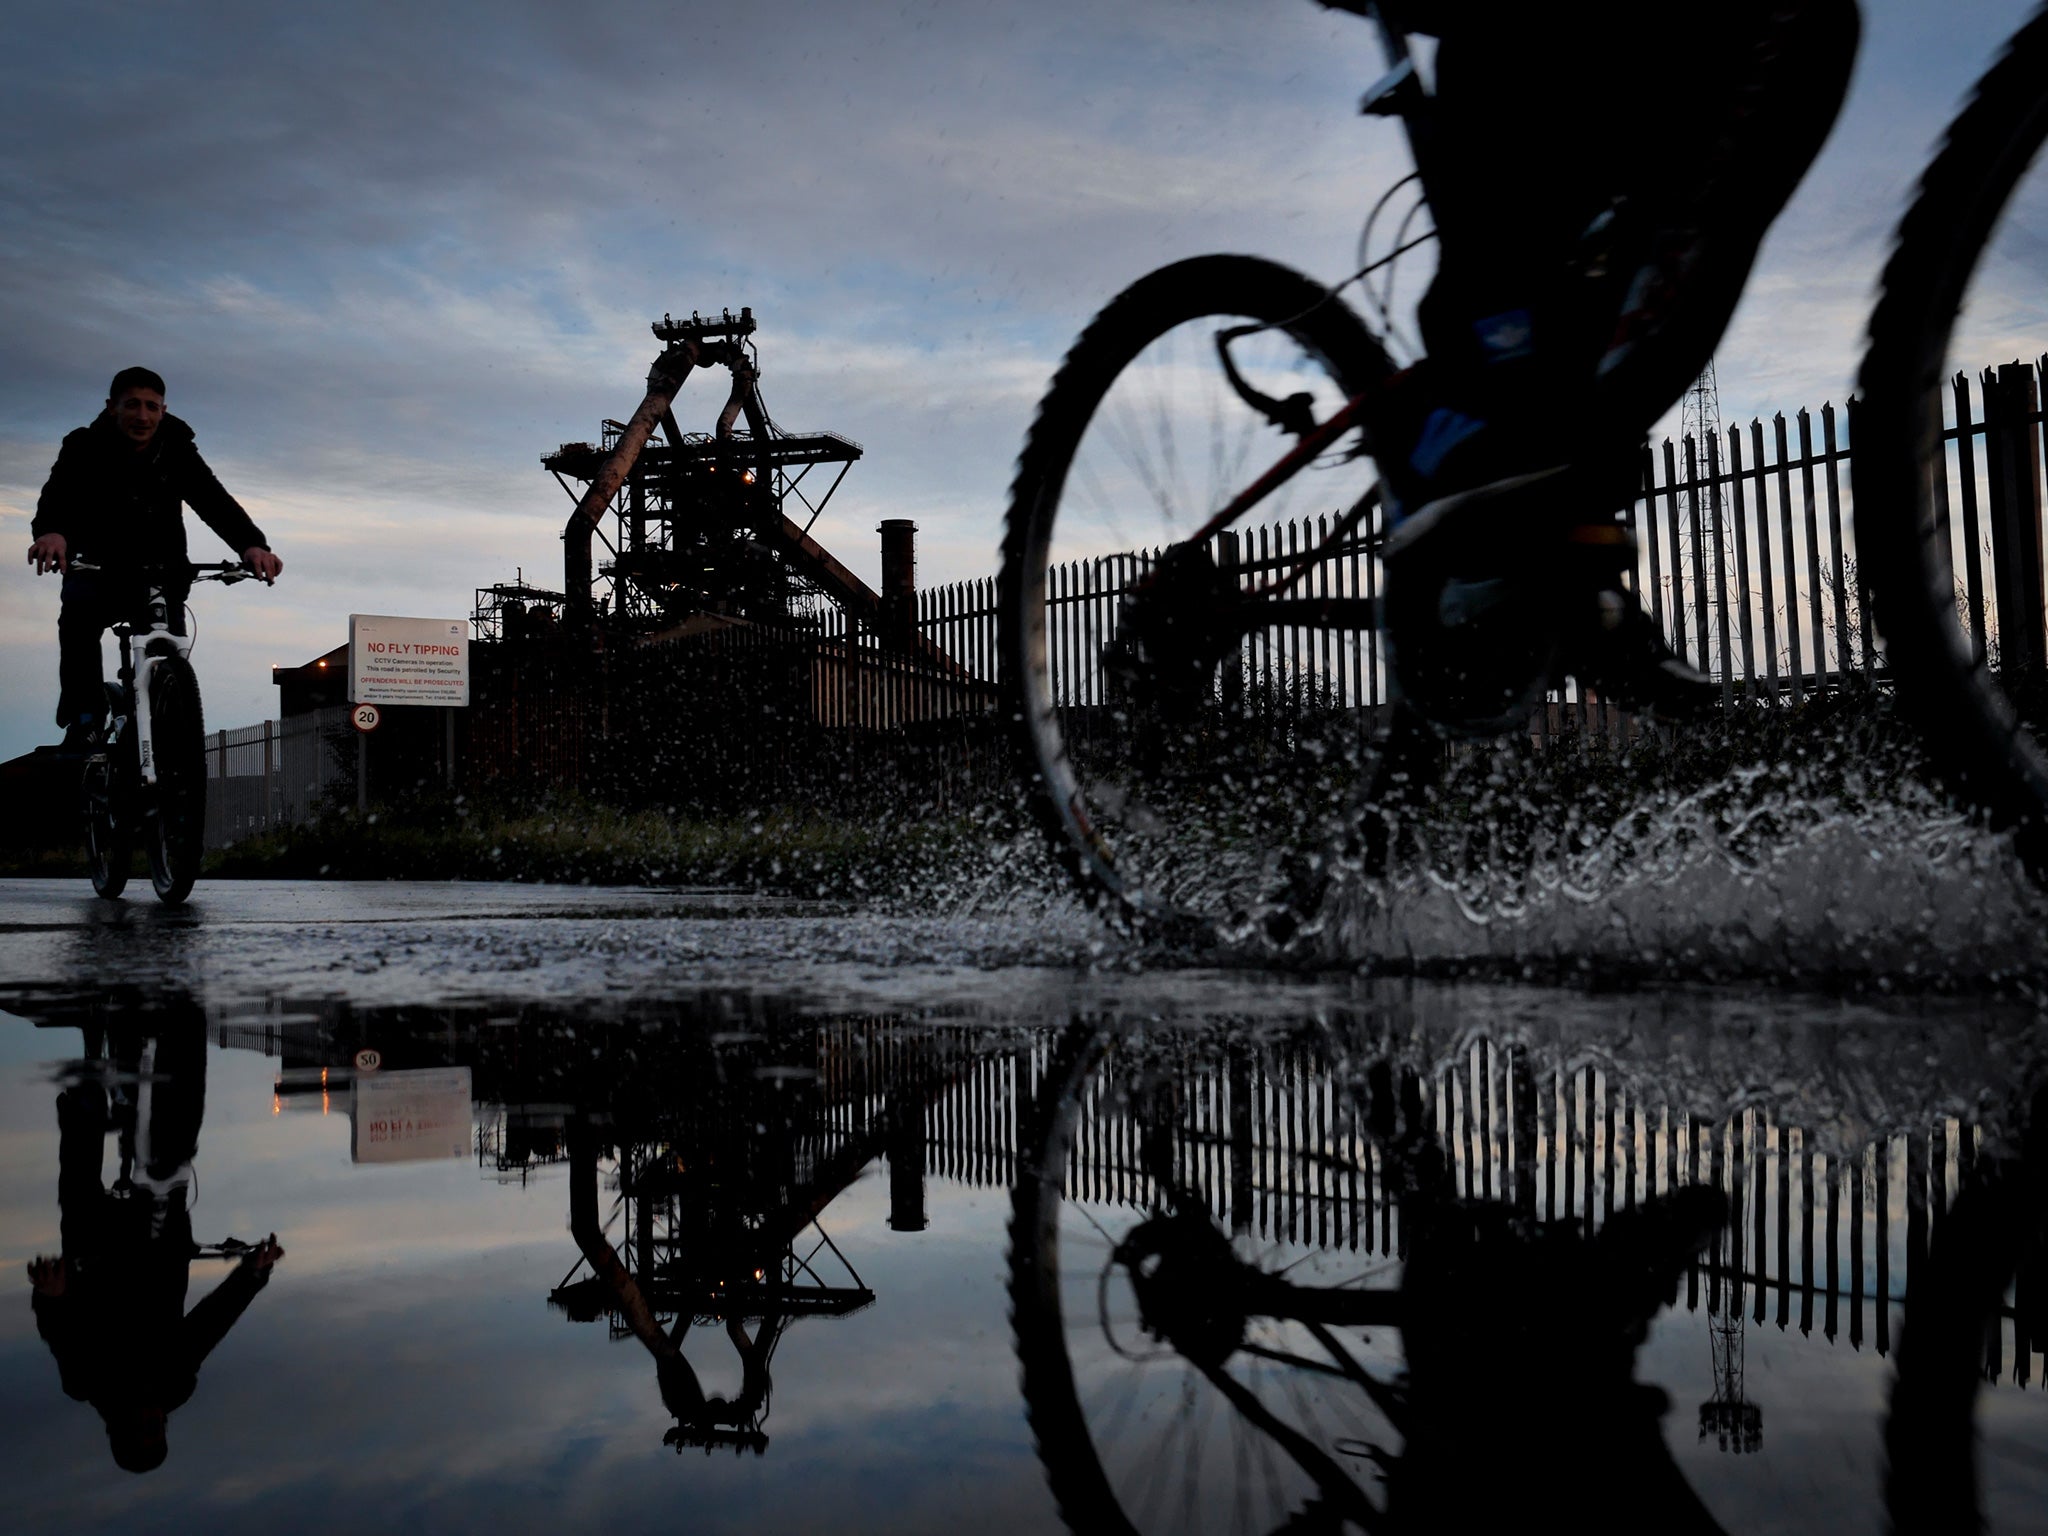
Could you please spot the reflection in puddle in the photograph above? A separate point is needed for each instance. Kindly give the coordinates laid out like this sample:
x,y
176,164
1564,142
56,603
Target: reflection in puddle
x,y
110,1304
1390,1267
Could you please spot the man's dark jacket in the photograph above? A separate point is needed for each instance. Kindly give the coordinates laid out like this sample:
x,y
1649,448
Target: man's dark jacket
x,y
115,506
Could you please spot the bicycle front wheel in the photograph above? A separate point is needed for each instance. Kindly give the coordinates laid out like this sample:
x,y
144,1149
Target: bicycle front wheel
x,y
1185,751
1962,288
177,830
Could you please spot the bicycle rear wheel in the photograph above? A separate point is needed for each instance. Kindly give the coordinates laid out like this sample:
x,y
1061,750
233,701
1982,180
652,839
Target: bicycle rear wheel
x,y
1169,1387
1975,688
177,830
1187,759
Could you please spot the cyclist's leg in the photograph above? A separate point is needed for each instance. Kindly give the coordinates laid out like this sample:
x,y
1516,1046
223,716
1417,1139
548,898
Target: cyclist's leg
x,y
1555,195
81,680
1695,142
1766,134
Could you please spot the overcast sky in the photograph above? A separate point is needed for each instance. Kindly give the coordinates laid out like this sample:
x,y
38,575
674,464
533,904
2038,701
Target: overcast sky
x,y
386,256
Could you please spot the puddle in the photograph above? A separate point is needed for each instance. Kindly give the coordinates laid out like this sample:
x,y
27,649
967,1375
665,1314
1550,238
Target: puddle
x,y
1029,1261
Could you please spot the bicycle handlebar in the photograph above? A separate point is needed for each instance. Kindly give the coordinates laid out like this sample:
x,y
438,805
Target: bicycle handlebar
x,y
227,572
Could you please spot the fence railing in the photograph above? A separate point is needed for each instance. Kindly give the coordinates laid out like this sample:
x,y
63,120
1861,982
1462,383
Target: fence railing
x,y
1746,562
244,782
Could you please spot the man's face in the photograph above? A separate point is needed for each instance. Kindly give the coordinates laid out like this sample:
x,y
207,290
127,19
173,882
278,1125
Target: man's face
x,y
138,412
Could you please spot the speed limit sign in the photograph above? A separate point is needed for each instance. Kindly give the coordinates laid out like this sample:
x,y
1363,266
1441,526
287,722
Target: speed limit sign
x,y
364,717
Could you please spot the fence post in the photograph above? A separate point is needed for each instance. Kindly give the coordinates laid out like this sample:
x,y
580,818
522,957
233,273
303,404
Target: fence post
x,y
1765,580
1720,522
1973,536
1677,564
1741,520
1232,681
1650,537
2012,448
1788,548
1813,592
1702,658
1832,454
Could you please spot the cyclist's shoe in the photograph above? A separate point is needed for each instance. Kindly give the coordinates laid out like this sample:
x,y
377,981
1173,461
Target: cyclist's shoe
x,y
1468,610
82,738
1620,655
1492,593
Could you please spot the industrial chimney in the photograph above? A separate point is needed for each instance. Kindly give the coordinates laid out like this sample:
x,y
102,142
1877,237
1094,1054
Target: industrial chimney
x,y
899,581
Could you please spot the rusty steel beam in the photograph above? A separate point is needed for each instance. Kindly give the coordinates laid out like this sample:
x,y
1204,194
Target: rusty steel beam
x,y
664,379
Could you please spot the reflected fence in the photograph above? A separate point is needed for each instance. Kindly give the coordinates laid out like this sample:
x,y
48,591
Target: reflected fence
x,y
1822,1234
1272,1142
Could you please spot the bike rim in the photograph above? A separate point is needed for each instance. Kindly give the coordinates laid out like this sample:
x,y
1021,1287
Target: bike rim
x,y
1136,1435
1193,786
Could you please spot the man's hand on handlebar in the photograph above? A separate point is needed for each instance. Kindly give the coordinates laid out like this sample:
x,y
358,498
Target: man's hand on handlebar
x,y
51,553
263,563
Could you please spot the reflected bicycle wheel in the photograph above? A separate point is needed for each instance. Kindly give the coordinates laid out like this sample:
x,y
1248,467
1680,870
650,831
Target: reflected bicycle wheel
x,y
1190,1363
1189,746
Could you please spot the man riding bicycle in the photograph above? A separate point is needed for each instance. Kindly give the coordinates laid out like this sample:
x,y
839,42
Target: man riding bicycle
x,y
1601,178
116,497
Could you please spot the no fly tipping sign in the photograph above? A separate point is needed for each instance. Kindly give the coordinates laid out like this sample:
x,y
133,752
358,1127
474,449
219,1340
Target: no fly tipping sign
x,y
408,661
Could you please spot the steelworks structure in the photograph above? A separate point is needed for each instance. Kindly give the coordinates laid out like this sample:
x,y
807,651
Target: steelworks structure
x,y
698,521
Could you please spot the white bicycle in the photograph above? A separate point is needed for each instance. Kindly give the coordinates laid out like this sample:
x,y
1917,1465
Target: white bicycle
x,y
148,779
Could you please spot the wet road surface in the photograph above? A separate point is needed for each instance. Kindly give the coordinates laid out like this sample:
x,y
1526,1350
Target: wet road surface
x,y
645,1209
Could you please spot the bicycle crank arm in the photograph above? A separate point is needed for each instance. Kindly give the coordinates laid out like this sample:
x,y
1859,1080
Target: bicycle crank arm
x,y
1267,1296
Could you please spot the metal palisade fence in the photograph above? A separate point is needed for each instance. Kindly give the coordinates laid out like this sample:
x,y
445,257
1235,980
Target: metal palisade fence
x,y
1746,561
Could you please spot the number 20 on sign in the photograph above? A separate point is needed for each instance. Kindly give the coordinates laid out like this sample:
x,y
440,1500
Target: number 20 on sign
x,y
364,717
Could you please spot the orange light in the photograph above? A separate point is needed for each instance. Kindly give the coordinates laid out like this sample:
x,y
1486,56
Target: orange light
x,y
323,662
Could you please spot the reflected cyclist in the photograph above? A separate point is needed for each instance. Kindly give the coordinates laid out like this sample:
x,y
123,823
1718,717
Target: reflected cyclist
x,y
111,1307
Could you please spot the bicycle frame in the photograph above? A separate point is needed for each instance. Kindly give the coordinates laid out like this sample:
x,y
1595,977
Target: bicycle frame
x,y
158,641
1397,93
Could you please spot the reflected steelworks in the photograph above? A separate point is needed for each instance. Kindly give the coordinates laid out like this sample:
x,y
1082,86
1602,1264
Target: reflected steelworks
x,y
1377,1271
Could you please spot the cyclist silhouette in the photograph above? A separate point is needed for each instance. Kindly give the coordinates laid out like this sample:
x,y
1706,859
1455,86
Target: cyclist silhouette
x,y
112,1306
1601,178
115,497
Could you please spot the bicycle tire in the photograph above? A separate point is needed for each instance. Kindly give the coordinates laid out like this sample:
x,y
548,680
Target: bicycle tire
x,y
1100,1480
1974,734
1185,880
177,828
108,846
107,792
